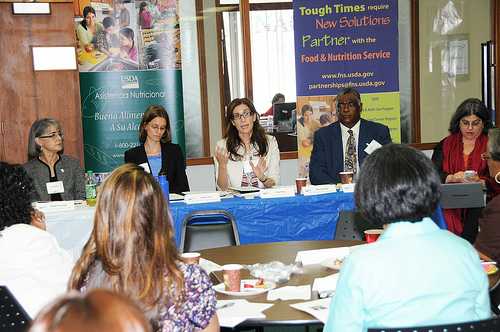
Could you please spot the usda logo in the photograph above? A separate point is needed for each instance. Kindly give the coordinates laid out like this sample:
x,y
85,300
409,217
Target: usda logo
x,y
130,82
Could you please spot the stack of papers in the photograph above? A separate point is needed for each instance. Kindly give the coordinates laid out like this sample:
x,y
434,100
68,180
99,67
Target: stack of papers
x,y
234,312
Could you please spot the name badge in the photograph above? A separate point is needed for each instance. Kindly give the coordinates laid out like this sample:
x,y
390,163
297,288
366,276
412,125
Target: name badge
x,y
55,187
374,145
247,168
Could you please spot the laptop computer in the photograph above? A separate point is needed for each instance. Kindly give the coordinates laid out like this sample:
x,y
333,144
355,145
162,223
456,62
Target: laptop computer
x,y
462,195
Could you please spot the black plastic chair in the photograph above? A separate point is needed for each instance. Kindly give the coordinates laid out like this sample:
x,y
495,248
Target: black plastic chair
x,y
208,229
13,318
487,325
351,226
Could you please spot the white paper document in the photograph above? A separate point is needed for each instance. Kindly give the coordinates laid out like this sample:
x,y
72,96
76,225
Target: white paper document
x,y
309,257
290,293
316,308
326,283
241,310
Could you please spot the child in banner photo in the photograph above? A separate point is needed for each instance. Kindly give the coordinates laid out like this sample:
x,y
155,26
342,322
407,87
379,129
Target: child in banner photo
x,y
128,50
107,40
145,16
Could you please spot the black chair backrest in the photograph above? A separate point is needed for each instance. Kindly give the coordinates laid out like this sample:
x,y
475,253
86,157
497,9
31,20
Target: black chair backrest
x,y
13,318
487,325
208,229
351,226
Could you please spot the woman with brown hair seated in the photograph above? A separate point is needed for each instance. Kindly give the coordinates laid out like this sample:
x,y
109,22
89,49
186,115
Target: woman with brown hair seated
x,y
131,250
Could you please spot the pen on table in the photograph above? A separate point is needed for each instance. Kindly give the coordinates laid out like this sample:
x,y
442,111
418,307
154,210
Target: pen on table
x,y
227,305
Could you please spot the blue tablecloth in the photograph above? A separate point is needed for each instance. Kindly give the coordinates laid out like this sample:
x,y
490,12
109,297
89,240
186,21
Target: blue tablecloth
x,y
275,219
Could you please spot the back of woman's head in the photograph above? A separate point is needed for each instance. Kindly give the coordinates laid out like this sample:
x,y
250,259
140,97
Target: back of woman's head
x,y
16,189
97,310
397,183
132,243
131,215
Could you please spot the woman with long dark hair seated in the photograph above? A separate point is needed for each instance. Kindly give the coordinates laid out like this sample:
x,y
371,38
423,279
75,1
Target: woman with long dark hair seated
x,y
131,250
415,274
246,156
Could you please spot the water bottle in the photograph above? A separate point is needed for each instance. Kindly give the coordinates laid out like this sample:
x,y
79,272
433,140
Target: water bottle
x,y
162,180
90,188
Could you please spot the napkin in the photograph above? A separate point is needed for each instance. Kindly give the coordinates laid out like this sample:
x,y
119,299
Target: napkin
x,y
290,293
209,266
239,312
328,283
317,308
309,257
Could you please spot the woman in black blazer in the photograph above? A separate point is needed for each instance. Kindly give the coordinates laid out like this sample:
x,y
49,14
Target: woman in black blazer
x,y
157,152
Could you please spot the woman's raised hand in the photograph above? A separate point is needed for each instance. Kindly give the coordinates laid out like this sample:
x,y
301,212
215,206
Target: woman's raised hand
x,y
260,168
221,155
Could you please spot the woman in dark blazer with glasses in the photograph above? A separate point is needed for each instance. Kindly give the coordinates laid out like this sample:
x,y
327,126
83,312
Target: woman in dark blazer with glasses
x,y
157,152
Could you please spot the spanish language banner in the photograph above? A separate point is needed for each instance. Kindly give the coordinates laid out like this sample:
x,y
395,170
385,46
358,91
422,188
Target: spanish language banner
x,y
133,61
345,44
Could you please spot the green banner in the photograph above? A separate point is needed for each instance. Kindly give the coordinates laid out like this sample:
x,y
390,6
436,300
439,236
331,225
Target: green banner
x,y
112,107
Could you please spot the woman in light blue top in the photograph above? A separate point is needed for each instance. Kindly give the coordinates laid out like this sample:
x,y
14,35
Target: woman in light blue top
x,y
415,274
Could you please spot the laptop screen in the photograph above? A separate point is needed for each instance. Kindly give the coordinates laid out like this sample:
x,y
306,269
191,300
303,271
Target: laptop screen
x,y
462,195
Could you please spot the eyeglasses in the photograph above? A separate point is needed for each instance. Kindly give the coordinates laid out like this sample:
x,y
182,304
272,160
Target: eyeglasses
x,y
466,123
350,105
483,157
246,114
156,127
52,135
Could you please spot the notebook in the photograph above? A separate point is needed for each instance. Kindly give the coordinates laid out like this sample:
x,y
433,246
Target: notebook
x,y
462,195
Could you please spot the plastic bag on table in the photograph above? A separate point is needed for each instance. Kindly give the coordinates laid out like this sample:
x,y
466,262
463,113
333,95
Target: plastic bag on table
x,y
274,271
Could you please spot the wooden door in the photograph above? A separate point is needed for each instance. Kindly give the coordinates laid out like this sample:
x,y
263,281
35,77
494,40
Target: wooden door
x,y
28,95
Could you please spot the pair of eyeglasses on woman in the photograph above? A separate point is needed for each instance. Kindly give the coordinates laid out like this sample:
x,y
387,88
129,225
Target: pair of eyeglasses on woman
x,y
483,157
156,127
466,123
238,116
52,135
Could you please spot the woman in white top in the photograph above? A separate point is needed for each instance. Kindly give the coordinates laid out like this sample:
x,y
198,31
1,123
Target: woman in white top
x,y
246,156
32,265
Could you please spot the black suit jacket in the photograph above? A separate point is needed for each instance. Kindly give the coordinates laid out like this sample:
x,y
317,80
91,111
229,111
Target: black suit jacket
x,y
172,161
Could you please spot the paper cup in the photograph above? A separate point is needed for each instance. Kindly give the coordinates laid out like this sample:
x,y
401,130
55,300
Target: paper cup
x,y
301,182
372,235
232,277
346,177
191,257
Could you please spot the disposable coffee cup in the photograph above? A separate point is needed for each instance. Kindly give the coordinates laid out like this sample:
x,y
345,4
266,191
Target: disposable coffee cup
x,y
232,277
372,235
300,182
346,177
191,257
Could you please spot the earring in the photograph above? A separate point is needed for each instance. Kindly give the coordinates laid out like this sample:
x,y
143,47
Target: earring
x,y
496,178
41,148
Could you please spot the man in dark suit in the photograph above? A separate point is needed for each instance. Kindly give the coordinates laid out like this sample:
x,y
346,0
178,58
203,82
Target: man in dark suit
x,y
331,143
